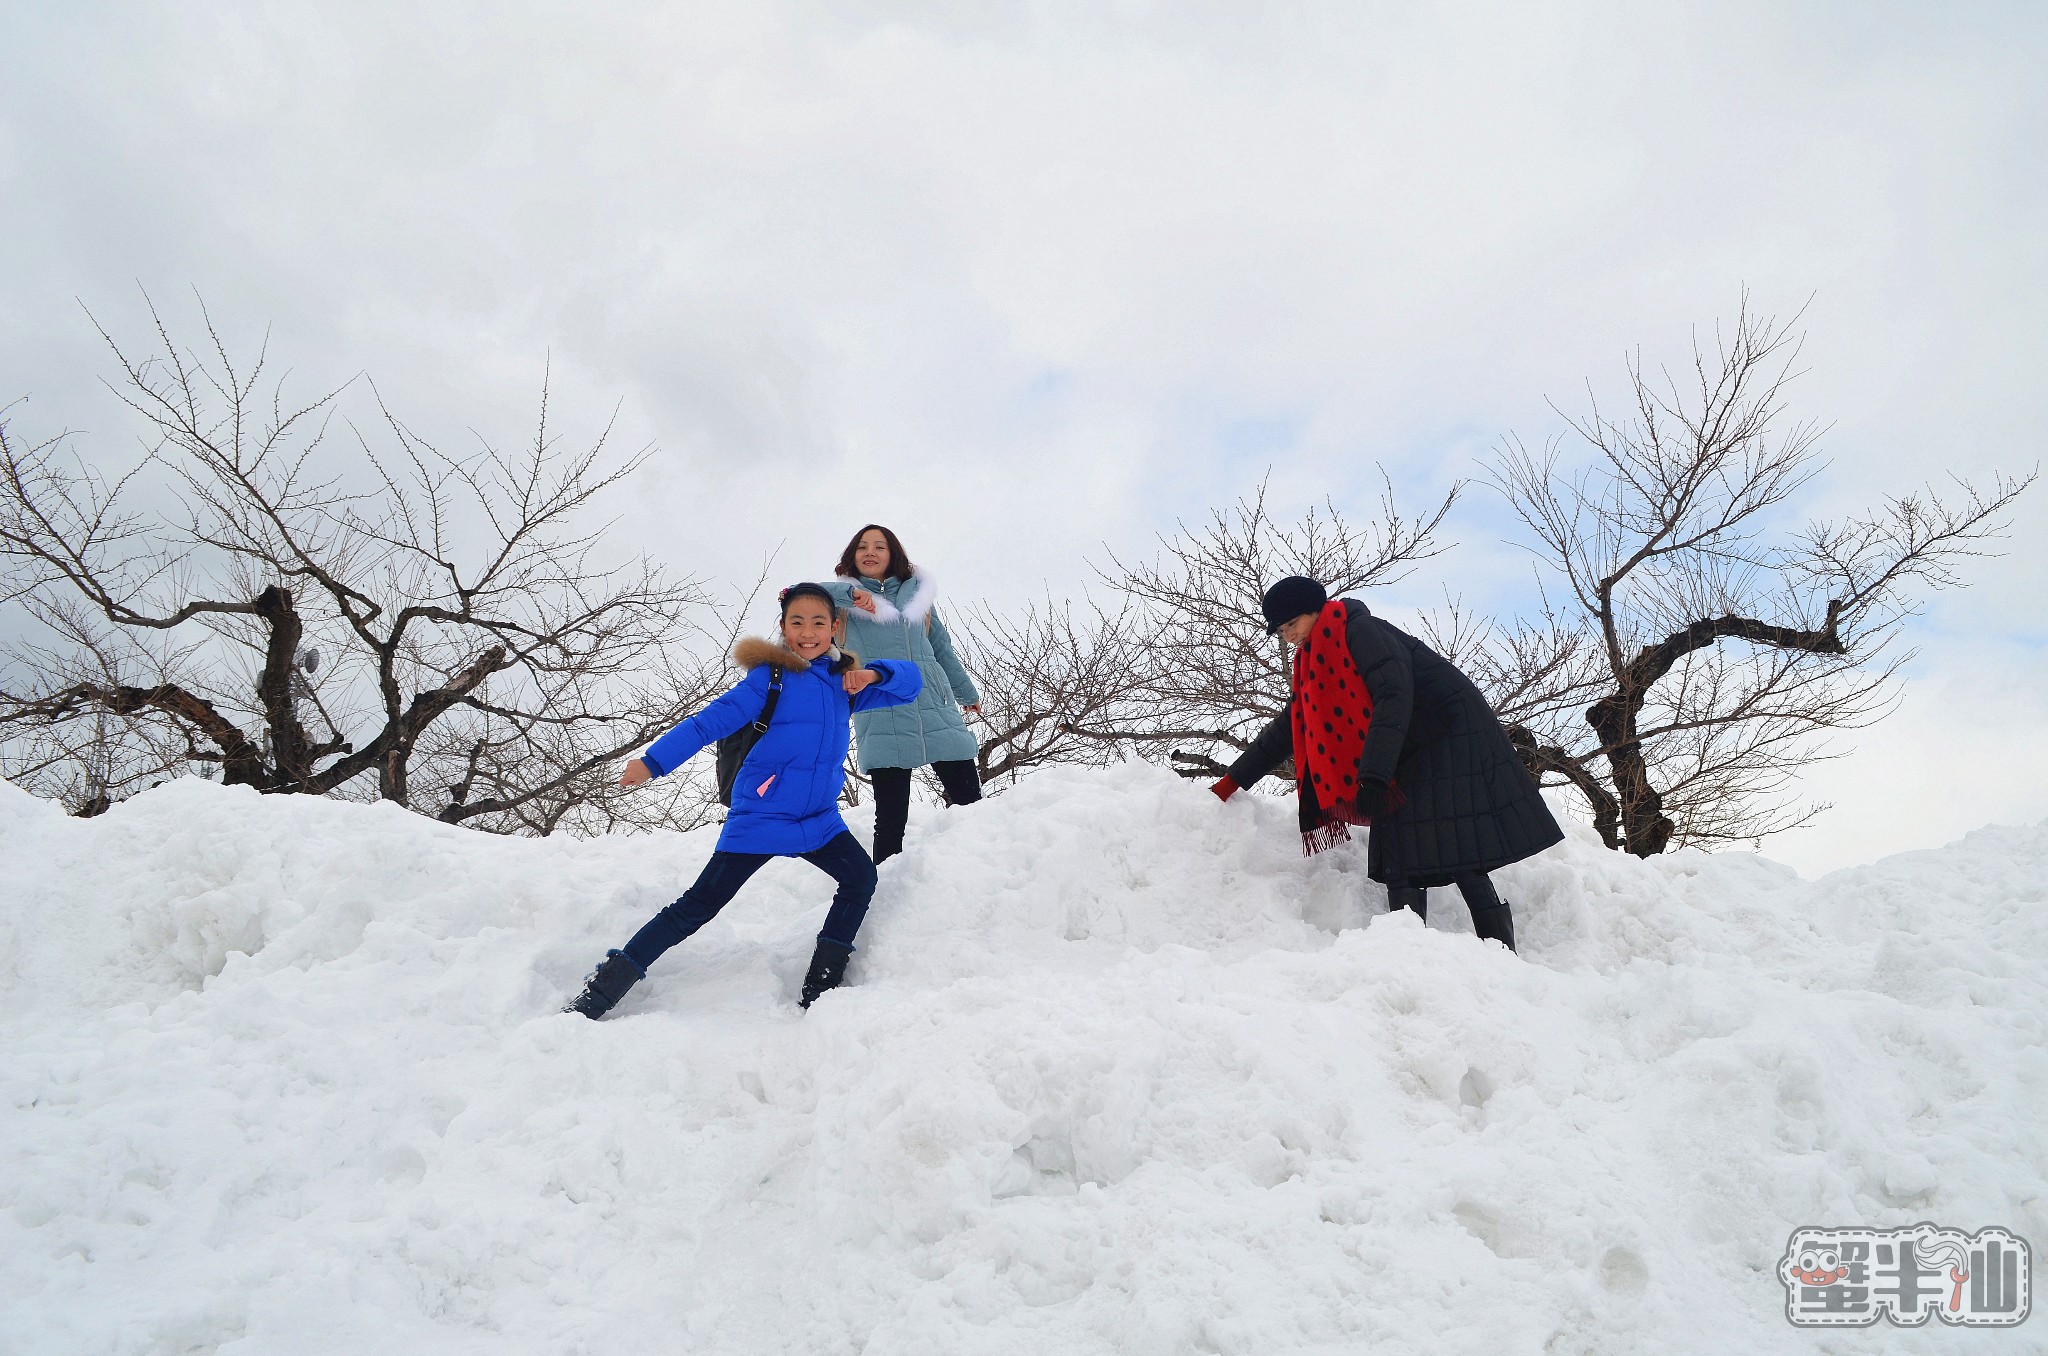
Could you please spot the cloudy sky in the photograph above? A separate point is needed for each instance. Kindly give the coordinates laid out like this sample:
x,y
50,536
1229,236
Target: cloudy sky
x,y
1029,281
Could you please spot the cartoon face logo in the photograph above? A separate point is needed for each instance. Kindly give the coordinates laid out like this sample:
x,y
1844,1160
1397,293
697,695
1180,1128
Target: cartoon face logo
x,y
1853,1276
1826,1275
1817,1266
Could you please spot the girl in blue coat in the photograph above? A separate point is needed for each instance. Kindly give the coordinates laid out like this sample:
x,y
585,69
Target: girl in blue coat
x,y
785,800
889,615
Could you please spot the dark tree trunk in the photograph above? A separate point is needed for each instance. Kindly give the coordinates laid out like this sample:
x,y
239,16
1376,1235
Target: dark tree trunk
x,y
1550,758
1645,829
290,748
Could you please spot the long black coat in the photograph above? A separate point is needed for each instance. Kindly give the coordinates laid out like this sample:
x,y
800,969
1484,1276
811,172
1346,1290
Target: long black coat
x,y
1471,805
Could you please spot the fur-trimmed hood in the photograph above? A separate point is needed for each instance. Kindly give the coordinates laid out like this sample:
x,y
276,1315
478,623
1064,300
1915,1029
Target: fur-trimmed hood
x,y
921,589
752,652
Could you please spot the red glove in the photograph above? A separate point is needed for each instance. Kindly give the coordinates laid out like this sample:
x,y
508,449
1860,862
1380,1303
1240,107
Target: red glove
x,y
1225,788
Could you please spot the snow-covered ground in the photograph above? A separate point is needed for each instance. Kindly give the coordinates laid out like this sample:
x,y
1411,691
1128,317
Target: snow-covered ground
x,y
1118,1071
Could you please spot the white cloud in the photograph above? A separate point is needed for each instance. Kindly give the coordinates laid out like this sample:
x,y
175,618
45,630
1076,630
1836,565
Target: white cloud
x,y
1025,279
1964,749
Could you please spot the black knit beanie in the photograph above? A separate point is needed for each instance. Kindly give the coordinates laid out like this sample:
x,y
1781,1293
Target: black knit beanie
x,y
1294,596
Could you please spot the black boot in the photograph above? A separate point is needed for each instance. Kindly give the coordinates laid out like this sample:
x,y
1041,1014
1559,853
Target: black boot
x,y
1409,897
828,967
1495,924
1490,916
608,983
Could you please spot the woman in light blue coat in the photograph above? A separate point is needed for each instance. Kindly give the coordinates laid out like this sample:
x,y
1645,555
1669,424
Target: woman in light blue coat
x,y
889,615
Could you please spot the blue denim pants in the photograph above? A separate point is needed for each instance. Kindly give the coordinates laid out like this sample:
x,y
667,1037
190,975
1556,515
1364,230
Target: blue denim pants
x,y
843,859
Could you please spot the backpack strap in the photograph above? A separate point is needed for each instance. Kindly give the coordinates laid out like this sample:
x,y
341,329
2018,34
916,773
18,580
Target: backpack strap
x,y
774,695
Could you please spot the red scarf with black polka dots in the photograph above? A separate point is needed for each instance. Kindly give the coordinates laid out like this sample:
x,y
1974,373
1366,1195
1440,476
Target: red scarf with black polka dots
x,y
1332,712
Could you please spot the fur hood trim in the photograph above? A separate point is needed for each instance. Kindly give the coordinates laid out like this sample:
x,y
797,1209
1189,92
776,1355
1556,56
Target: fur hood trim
x,y
753,652
923,591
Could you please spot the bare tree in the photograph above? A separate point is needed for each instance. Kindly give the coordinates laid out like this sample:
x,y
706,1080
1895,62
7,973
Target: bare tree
x,y
1205,677
501,751
1699,661
1045,677
441,632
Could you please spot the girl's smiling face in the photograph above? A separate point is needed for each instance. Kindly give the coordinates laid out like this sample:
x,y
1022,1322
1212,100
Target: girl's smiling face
x,y
871,554
807,627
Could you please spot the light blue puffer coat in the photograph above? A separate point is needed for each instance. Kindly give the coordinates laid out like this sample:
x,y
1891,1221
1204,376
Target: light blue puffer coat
x,y
929,730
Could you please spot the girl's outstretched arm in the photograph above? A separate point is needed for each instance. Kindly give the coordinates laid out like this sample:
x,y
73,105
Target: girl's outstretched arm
x,y
899,682
721,716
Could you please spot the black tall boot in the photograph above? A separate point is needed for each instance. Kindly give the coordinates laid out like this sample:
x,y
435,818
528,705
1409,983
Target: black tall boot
x,y
1409,897
1496,924
1490,916
608,983
828,968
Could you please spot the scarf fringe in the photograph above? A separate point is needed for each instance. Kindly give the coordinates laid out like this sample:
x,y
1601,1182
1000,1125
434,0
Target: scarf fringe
x,y
1333,834
1336,825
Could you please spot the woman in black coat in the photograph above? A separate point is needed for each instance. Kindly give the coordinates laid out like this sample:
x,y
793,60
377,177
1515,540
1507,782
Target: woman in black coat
x,y
1447,799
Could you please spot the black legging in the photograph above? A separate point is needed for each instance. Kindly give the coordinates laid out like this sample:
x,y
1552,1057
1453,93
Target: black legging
x,y
1490,915
892,800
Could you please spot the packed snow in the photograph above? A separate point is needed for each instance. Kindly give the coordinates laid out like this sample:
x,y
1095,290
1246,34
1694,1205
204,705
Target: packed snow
x,y
1117,1070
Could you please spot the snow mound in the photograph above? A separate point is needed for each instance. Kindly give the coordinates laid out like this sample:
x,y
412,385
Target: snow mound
x,y
1118,1071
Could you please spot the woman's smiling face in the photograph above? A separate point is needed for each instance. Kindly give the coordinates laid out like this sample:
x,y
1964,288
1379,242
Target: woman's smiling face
x,y
1295,630
807,627
871,555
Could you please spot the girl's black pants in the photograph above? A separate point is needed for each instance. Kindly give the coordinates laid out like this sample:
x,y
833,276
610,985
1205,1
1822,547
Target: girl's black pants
x,y
726,872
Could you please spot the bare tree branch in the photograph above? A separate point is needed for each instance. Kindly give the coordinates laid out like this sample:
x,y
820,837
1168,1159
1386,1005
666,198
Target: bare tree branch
x,y
1206,676
1634,695
438,592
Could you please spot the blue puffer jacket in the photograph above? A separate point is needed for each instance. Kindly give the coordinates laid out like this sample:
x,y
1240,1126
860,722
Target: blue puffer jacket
x,y
786,798
905,627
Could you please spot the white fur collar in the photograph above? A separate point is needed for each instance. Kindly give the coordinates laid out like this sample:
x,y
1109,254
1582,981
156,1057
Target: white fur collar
x,y
924,592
